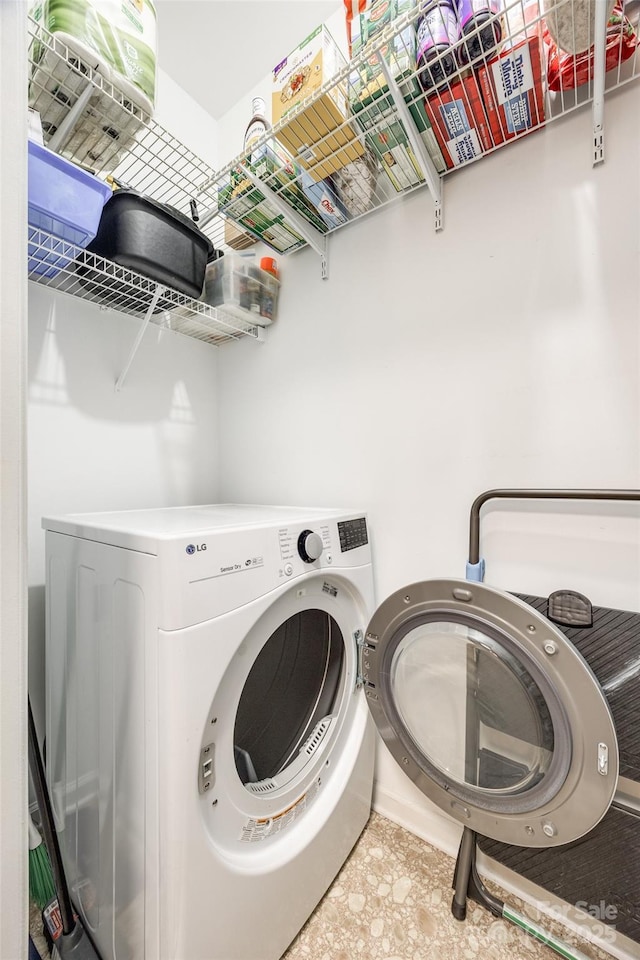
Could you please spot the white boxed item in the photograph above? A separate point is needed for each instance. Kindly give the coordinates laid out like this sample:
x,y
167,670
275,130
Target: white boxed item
x,y
236,285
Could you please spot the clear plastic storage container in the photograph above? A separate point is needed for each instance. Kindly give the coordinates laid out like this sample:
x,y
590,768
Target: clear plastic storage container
x,y
238,286
65,202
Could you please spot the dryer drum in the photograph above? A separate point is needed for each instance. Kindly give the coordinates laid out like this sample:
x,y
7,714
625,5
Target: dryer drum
x,y
292,687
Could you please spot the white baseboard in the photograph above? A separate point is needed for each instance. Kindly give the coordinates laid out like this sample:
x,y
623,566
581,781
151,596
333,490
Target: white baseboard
x,y
426,822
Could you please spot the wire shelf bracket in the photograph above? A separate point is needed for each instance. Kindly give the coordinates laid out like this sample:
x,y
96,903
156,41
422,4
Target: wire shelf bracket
x,y
599,59
62,135
141,332
431,176
316,240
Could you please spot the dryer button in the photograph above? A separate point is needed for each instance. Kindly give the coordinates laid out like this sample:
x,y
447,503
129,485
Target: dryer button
x,y
288,569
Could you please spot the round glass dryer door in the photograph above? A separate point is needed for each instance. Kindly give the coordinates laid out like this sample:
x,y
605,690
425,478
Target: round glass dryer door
x,y
491,711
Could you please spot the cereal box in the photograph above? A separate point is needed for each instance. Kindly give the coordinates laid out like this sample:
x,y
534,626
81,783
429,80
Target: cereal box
x,y
511,86
320,137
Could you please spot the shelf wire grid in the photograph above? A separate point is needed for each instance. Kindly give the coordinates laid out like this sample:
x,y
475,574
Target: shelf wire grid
x,y
333,167
466,91
75,271
112,136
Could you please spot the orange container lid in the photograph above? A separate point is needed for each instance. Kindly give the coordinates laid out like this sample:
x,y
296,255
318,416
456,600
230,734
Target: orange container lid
x,y
269,264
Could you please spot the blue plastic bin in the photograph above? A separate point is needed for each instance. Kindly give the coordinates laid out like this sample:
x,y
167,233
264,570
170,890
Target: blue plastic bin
x,y
65,202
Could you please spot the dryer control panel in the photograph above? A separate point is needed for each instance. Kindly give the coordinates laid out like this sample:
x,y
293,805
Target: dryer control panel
x,y
318,544
224,570
352,533
210,559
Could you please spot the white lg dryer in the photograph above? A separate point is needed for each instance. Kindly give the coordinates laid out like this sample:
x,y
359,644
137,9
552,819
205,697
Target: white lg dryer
x,y
209,747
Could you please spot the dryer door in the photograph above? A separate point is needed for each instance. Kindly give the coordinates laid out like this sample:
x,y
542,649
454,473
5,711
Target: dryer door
x,y
491,711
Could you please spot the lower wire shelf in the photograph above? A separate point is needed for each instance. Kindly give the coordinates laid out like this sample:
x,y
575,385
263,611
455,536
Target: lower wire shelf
x,y
69,269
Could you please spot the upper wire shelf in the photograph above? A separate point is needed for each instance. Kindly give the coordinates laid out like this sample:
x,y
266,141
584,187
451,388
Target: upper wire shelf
x,y
318,169
394,136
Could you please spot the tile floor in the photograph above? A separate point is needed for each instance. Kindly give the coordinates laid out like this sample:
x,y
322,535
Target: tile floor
x,y
391,901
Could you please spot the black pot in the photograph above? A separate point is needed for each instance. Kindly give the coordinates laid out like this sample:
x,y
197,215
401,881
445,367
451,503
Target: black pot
x,y
153,239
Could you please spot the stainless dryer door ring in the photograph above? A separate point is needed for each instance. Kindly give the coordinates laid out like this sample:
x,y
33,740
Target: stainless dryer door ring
x,y
491,711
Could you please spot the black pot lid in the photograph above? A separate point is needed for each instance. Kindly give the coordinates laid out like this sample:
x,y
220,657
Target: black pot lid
x,y
491,711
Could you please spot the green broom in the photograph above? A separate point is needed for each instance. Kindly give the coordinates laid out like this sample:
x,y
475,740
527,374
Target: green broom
x,y
41,888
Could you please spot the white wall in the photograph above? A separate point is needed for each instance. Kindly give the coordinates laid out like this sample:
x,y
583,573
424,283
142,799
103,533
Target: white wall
x,y
178,113
154,443
428,368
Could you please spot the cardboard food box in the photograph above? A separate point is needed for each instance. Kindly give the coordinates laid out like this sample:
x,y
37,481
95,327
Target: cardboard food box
x,y
377,112
237,239
243,203
276,168
371,101
391,145
459,121
325,200
319,137
399,53
511,86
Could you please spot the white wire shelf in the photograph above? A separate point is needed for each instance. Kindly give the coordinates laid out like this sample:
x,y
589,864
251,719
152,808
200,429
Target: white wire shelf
x,y
313,176
86,119
72,270
393,138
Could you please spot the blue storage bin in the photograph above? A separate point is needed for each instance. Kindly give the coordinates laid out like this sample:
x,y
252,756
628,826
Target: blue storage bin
x,y
64,201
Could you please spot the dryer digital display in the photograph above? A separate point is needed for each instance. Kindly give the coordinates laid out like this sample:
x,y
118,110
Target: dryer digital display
x,y
353,533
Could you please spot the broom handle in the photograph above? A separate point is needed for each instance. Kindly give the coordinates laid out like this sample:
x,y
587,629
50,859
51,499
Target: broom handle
x,y
48,828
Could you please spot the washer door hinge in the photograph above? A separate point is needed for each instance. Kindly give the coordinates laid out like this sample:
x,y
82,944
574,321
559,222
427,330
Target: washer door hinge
x,y
362,648
358,636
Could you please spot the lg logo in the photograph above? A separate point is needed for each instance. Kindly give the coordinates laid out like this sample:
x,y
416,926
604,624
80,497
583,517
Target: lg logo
x,y
195,548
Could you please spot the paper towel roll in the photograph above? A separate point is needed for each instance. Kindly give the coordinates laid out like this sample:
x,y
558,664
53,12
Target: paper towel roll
x,y
572,25
95,36
118,39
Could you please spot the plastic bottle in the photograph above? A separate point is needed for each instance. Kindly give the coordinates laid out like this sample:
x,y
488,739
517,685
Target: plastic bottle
x,y
472,14
256,130
269,288
437,31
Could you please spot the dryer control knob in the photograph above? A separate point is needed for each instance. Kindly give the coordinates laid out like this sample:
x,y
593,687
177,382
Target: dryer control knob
x,y
310,546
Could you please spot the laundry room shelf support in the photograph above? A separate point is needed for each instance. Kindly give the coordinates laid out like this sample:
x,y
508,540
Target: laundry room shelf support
x,y
62,135
431,175
316,240
599,58
141,332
